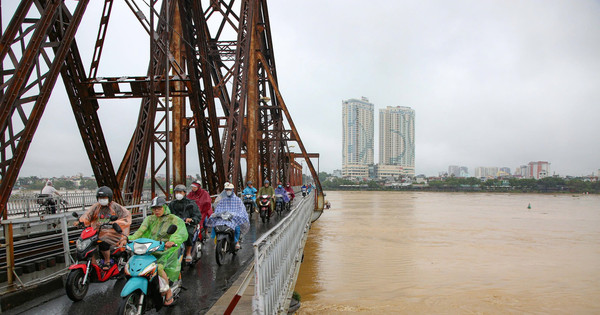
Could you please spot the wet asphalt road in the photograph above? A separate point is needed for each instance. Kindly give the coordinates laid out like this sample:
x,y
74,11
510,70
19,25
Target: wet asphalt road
x,y
205,283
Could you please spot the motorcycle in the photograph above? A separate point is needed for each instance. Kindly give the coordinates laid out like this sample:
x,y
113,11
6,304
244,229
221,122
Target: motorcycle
x,y
141,293
84,271
197,242
249,203
279,204
224,238
304,192
264,207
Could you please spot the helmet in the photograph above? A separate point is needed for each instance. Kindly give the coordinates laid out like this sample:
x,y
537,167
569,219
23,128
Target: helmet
x,y
249,182
229,185
104,191
158,202
266,181
179,188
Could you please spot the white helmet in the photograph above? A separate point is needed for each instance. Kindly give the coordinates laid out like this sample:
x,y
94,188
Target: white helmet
x,y
229,185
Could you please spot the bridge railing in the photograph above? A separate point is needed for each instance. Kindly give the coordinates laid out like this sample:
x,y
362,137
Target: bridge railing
x,y
63,222
277,257
32,204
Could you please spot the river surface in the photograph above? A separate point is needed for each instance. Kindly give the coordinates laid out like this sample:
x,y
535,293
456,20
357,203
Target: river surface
x,y
453,253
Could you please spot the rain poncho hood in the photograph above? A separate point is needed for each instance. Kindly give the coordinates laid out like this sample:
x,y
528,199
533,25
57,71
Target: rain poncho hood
x,y
156,228
97,215
202,199
234,205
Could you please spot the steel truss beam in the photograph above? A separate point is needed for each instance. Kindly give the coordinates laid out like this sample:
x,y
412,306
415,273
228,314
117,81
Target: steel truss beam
x,y
221,62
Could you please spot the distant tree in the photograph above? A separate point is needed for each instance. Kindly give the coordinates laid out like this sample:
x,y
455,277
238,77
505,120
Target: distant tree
x,y
323,176
88,183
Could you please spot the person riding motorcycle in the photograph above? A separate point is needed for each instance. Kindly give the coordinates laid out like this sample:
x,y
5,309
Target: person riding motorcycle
x,y
290,191
281,191
202,199
267,190
100,213
249,190
234,205
188,211
155,227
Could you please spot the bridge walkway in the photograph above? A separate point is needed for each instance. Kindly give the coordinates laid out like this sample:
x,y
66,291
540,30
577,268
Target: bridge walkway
x,y
207,285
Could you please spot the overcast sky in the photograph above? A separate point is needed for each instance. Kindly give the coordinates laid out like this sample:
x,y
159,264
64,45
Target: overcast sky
x,y
492,83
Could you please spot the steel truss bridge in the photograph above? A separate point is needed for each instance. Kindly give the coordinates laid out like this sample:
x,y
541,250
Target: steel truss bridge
x,y
212,58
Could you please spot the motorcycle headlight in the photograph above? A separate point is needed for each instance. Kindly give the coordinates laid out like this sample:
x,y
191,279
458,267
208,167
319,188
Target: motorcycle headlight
x,y
83,244
140,248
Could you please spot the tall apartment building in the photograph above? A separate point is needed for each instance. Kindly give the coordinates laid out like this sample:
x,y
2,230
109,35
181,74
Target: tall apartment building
x,y
397,138
358,134
486,172
537,170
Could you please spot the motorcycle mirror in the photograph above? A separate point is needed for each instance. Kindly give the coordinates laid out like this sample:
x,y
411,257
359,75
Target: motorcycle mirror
x,y
114,218
117,228
75,214
172,229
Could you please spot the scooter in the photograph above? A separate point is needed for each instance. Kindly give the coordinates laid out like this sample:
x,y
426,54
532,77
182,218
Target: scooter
x,y
197,242
225,239
249,203
264,207
304,192
279,204
141,293
84,271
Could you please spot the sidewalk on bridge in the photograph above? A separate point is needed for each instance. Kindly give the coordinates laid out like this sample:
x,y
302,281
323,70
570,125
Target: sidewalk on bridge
x,y
244,305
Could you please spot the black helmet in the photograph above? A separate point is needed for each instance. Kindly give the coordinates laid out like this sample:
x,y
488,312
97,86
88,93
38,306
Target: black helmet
x,y
179,188
158,202
104,191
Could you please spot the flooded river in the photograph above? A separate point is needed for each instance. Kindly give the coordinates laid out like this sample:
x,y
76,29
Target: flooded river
x,y
453,253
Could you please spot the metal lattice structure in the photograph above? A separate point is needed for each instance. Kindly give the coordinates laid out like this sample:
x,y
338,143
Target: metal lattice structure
x,y
213,57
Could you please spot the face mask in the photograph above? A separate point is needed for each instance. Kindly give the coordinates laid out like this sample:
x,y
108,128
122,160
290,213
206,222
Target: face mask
x,y
279,186
229,193
103,201
179,196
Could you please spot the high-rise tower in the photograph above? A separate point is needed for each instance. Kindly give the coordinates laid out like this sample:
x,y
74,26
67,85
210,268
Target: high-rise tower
x,y
397,138
357,150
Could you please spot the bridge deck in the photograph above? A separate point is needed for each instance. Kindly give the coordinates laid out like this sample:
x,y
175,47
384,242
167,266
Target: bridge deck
x,y
207,285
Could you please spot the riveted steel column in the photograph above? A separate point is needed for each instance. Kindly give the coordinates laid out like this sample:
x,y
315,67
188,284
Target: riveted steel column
x,y
253,110
178,118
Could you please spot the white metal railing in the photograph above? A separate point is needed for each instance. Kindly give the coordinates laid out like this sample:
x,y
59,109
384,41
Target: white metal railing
x,y
277,256
34,204
65,220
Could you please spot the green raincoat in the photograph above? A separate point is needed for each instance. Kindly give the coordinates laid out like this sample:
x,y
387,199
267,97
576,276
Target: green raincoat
x,y
156,228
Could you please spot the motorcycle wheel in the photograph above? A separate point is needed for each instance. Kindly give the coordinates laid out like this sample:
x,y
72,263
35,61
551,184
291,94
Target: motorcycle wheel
x,y
76,291
221,251
198,250
129,304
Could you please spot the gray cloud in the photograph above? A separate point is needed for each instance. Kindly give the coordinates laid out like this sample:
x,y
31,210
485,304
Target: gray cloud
x,y
493,83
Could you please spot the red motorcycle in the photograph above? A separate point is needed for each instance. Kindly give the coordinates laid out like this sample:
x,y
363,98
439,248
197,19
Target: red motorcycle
x,y
84,271
264,207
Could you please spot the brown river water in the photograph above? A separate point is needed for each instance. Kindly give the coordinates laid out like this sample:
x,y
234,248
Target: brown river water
x,y
453,253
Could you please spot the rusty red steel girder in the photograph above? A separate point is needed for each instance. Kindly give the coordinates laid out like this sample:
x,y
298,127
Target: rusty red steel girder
x,y
214,56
